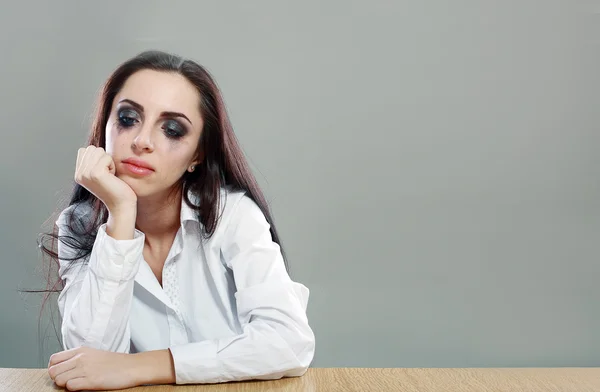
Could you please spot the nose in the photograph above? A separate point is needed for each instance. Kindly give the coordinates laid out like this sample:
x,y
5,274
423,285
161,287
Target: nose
x,y
143,140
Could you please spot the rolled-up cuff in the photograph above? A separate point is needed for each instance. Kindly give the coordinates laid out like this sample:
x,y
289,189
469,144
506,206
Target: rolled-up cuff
x,y
197,363
117,260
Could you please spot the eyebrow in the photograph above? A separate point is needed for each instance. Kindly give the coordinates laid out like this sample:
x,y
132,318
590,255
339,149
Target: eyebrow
x,y
163,114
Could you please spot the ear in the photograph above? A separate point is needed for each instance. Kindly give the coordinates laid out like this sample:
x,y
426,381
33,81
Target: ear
x,y
196,162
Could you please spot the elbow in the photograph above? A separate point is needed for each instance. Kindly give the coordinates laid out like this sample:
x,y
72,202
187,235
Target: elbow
x,y
302,346
71,337
289,354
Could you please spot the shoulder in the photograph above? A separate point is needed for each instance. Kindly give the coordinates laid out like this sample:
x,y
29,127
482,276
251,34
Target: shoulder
x,y
239,211
236,203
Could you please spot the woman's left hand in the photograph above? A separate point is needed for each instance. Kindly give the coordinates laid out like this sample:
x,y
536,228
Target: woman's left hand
x,y
88,368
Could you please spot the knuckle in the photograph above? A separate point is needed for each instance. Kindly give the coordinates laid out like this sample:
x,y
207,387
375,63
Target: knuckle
x,y
70,385
60,381
94,175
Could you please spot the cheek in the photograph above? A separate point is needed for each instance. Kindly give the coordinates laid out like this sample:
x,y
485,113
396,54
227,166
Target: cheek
x,y
177,162
110,135
115,140
177,158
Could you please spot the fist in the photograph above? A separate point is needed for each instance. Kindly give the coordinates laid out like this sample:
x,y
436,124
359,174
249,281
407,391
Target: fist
x,y
95,171
86,368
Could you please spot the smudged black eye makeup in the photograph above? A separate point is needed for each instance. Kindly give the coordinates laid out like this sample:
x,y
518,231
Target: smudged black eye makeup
x,y
173,129
129,117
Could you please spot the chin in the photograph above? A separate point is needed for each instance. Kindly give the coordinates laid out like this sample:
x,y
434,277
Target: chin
x,y
138,188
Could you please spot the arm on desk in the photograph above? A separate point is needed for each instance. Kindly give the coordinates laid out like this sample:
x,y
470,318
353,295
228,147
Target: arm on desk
x,y
276,339
96,300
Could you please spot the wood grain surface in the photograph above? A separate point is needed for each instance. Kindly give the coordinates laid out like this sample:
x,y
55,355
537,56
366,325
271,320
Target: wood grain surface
x,y
359,379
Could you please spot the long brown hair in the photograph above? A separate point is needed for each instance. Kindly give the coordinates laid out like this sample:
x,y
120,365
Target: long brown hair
x,y
223,163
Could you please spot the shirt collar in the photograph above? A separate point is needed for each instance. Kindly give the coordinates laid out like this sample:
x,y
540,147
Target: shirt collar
x,y
187,213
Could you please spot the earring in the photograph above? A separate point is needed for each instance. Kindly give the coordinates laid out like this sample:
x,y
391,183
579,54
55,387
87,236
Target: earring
x,y
192,168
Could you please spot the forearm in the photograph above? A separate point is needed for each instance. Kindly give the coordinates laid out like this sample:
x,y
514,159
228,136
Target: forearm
x,y
121,222
259,352
89,312
153,367
100,293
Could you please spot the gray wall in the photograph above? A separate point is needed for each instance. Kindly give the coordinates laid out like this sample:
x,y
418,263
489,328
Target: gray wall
x,y
432,165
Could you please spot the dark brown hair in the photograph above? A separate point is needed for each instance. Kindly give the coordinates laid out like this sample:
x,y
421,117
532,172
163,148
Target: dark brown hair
x,y
223,164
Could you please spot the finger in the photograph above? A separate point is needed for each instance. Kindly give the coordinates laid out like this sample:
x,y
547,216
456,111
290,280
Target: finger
x,y
111,166
83,162
92,158
79,157
61,367
87,151
106,161
80,154
62,379
100,166
77,384
63,356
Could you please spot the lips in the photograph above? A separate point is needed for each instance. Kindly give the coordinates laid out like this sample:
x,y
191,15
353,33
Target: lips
x,y
137,167
139,163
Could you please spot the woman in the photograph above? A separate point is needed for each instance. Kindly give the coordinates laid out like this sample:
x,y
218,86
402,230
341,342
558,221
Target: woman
x,y
171,266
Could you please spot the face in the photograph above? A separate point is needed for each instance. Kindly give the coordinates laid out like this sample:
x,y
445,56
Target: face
x,y
153,131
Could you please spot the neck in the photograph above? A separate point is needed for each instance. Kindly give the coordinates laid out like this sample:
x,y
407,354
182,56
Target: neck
x,y
159,216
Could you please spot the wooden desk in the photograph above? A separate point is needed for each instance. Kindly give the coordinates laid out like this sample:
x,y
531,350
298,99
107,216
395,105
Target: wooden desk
x,y
348,379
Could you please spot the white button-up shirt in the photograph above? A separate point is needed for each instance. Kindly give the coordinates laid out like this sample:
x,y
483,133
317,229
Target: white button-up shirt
x,y
227,308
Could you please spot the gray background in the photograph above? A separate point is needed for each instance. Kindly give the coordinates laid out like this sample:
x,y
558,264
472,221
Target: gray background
x,y
432,165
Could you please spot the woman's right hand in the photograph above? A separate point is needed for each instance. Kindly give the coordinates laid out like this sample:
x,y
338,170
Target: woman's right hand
x,y
95,171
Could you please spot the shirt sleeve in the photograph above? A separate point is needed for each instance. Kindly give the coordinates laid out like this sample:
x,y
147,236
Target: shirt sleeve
x,y
277,340
96,299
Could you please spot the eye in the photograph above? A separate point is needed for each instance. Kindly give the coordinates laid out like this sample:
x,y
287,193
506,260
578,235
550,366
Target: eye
x,y
127,118
173,129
